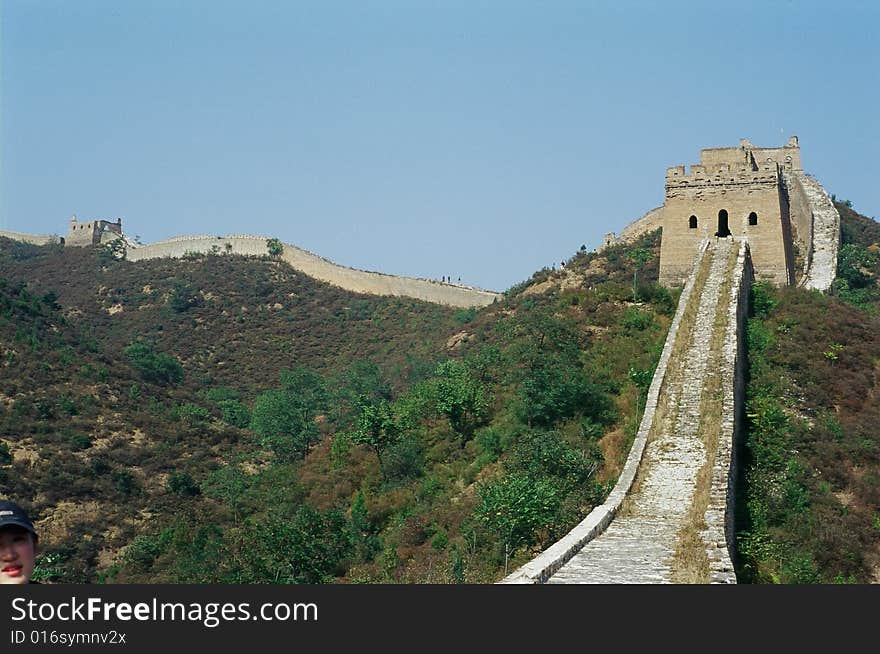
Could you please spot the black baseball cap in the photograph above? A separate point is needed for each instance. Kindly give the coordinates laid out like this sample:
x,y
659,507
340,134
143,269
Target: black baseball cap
x,y
11,514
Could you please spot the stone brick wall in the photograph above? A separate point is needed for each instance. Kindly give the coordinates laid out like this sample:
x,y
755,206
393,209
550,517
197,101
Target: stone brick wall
x,y
821,268
358,281
647,223
801,219
34,239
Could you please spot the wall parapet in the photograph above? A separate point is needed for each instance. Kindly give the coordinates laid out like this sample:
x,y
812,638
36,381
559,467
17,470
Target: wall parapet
x,y
542,567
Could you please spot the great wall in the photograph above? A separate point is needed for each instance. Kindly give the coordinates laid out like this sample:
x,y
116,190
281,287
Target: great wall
x,y
351,279
670,516
742,214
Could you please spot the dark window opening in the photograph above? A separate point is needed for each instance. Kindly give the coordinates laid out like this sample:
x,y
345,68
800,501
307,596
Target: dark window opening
x,y
753,218
723,229
692,222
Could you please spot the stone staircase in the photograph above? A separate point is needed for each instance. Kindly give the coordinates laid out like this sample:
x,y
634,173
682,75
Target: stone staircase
x,y
826,235
639,544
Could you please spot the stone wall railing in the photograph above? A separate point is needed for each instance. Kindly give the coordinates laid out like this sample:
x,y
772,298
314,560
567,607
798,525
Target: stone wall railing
x,y
541,568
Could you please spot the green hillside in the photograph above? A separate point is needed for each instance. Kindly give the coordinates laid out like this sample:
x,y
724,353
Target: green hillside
x,y
226,419
223,419
810,506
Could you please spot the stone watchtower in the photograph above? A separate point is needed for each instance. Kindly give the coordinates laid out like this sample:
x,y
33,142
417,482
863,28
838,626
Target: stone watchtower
x,y
738,192
93,232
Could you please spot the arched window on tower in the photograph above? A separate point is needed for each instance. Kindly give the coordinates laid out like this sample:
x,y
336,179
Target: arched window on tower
x,y
723,228
753,218
692,222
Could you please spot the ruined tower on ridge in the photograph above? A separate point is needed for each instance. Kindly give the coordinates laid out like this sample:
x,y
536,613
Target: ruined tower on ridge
x,y
758,194
93,232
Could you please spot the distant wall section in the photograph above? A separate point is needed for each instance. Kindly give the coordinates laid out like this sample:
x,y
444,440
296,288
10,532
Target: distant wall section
x,y
34,239
351,279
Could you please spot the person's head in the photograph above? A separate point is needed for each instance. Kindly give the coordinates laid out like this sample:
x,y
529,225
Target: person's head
x,y
18,542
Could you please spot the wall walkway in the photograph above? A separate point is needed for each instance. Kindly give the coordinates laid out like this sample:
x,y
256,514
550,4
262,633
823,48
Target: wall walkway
x,y
681,461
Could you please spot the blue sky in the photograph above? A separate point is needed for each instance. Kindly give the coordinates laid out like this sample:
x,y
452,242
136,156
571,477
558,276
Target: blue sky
x,y
477,139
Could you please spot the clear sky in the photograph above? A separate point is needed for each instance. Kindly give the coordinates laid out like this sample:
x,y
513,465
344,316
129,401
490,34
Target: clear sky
x,y
476,139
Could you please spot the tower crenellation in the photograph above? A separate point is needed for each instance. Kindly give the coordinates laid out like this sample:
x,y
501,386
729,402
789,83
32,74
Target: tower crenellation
x,y
739,192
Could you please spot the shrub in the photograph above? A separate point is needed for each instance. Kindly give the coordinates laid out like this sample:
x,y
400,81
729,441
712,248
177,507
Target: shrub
x,y
555,389
234,413
184,297
547,454
181,483
125,482
283,428
192,414
466,315
79,441
403,460
153,366
636,319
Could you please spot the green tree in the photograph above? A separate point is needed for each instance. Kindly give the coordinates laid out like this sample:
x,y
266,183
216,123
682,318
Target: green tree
x,y
364,542
378,427
854,265
182,483
275,247
638,256
514,508
234,413
460,397
545,454
362,379
5,454
284,423
229,485
306,548
557,388
285,419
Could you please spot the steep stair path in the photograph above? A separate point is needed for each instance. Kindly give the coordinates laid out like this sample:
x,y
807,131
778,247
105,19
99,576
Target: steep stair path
x,y
670,525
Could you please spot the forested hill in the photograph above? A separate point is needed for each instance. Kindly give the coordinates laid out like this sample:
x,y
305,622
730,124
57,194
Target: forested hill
x,y
223,419
227,419
810,508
